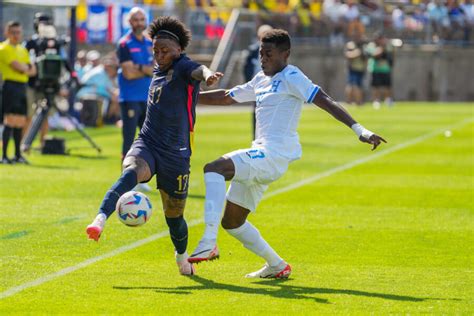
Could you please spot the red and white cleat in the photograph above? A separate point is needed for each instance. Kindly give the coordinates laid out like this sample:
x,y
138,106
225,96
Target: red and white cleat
x,y
269,272
94,230
204,252
185,267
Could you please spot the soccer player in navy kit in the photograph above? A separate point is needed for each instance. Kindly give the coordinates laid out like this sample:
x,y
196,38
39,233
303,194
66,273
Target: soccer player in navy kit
x,y
164,144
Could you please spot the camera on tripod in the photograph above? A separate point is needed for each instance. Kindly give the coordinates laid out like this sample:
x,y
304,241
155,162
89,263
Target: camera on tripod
x,y
49,61
45,48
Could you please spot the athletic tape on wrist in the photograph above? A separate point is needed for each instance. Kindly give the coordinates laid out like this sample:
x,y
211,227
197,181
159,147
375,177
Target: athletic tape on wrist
x,y
361,131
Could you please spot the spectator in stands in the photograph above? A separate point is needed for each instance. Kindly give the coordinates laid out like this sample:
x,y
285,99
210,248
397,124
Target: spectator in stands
x,y
335,10
457,18
357,65
304,18
420,19
81,63
351,11
380,65
99,84
93,60
355,28
398,19
252,63
468,9
438,16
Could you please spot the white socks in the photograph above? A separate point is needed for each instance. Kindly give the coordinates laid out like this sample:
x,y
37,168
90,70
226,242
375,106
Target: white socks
x,y
215,198
252,240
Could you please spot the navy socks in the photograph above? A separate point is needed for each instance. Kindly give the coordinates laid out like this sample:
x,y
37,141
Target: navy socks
x,y
178,233
125,183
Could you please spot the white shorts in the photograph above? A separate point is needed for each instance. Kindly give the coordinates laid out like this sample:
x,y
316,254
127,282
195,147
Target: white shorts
x,y
255,169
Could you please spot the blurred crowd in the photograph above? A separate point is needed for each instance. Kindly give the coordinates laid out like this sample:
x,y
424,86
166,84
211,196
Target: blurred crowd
x,y
97,76
339,20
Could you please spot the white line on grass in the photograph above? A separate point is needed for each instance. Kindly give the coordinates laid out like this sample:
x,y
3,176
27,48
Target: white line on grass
x,y
316,177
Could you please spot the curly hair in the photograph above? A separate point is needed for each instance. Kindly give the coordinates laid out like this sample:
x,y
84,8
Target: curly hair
x,y
170,28
279,37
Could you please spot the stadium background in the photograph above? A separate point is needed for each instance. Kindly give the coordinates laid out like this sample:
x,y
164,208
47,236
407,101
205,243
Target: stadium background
x,y
438,48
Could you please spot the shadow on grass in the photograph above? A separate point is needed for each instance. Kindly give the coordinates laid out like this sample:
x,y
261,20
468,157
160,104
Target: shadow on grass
x,y
85,156
275,288
196,196
53,167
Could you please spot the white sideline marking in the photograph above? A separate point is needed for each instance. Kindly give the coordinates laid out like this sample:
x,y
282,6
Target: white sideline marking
x,y
63,272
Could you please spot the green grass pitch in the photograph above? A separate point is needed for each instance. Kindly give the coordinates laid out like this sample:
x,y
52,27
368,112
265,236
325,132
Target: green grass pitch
x,y
390,232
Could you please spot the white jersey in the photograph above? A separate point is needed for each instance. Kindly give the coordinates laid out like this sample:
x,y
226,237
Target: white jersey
x,y
279,103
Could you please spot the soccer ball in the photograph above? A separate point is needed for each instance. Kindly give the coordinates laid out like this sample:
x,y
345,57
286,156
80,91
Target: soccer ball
x,y
134,208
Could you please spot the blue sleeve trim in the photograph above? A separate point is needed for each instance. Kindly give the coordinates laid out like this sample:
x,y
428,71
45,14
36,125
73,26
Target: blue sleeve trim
x,y
232,94
313,94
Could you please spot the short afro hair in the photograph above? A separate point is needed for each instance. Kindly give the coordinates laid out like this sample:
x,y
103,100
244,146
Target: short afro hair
x,y
279,37
170,28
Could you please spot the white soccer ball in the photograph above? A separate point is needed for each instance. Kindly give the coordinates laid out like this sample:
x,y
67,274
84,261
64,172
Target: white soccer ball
x,y
133,208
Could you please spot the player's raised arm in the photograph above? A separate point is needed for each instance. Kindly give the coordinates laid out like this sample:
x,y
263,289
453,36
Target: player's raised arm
x,y
216,97
203,73
326,103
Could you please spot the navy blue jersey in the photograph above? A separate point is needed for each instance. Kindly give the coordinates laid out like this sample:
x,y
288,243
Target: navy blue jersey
x,y
171,108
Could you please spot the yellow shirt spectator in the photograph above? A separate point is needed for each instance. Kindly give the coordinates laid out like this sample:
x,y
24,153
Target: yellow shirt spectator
x,y
8,54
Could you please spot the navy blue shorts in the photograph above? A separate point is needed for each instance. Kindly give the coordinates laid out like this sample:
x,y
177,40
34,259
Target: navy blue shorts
x,y
355,78
171,170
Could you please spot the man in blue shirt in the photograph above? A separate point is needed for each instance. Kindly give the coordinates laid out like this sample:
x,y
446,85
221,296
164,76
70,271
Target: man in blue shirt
x,y
134,52
164,145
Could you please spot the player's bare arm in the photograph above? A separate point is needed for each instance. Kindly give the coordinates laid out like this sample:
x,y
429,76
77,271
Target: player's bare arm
x,y
203,73
325,102
216,97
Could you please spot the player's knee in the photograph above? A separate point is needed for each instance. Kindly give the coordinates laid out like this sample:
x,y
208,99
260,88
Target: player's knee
x,y
139,166
231,223
129,163
222,166
212,167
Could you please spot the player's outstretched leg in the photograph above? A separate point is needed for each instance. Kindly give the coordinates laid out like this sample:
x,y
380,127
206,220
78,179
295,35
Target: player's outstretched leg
x,y
215,197
125,183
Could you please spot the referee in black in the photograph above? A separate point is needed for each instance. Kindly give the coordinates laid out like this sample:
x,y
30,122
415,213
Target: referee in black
x,y
16,69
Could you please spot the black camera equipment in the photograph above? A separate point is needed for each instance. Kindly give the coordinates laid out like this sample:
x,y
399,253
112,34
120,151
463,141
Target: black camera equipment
x,y
47,49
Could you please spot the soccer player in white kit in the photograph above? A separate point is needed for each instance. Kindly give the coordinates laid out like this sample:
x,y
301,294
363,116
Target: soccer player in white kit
x,y
279,90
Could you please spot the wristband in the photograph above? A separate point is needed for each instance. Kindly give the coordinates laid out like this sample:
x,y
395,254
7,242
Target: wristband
x,y
361,131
